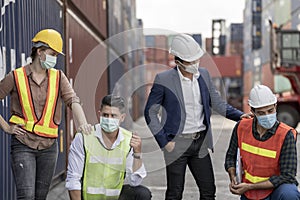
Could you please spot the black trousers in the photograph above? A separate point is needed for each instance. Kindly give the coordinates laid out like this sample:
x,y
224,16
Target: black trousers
x,y
186,153
135,193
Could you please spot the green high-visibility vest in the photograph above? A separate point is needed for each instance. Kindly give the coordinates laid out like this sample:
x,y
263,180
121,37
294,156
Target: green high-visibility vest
x,y
104,170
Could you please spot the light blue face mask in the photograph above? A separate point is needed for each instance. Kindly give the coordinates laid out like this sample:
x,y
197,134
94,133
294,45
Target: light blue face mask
x,y
109,125
267,121
49,62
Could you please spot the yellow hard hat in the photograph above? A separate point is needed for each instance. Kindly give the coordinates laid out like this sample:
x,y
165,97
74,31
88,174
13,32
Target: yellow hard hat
x,y
51,38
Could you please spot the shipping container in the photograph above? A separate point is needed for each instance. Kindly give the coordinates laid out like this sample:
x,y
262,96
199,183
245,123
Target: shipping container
x,y
226,72
149,49
247,86
116,25
139,94
125,53
236,48
208,45
228,66
86,62
236,32
157,57
157,49
161,49
93,13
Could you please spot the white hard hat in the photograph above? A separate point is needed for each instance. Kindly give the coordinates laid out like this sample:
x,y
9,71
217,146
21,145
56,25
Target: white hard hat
x,y
261,96
186,48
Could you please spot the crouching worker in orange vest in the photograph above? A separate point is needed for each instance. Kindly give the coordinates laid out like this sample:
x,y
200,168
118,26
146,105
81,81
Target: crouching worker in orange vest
x,y
267,151
107,164
37,92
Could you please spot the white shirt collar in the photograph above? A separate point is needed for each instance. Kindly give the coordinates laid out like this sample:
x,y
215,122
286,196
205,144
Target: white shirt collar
x,y
98,134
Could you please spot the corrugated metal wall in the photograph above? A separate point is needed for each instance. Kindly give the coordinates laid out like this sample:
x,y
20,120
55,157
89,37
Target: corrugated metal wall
x,y
139,94
95,12
20,21
125,43
86,56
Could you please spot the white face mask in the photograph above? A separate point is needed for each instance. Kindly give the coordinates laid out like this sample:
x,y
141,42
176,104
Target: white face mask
x,y
193,68
49,62
109,125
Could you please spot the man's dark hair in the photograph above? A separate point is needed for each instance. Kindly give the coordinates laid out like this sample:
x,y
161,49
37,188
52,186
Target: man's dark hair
x,y
253,109
113,101
179,59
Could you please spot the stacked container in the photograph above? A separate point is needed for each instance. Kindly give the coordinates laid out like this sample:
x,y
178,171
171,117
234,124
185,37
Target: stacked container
x,y
236,39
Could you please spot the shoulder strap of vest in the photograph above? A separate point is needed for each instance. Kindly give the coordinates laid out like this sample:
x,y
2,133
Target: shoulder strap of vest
x,y
25,97
245,124
128,135
288,128
85,139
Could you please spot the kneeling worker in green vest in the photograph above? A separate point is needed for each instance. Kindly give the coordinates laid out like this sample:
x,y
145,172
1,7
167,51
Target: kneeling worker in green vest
x,y
107,164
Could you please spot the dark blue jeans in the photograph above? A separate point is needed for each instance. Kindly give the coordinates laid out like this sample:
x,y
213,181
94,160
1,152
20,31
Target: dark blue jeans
x,y
135,193
33,170
186,153
282,192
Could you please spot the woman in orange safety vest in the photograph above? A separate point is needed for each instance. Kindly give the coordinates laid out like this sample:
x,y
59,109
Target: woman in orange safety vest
x,y
37,91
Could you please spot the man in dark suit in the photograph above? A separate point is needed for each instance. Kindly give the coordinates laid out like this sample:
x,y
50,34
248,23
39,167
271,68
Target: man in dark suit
x,y
186,95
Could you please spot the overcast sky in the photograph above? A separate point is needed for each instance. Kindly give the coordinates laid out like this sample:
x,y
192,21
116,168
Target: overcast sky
x,y
188,16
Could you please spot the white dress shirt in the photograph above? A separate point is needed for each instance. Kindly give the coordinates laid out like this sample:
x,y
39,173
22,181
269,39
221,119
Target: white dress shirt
x,y
77,158
193,104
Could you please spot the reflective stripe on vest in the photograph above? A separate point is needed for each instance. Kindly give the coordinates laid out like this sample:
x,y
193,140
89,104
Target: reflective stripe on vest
x,y
260,160
104,170
258,151
45,126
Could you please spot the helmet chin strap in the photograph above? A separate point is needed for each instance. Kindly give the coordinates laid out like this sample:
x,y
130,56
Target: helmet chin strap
x,y
181,66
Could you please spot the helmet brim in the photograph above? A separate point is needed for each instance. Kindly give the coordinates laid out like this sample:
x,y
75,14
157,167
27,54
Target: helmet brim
x,y
42,44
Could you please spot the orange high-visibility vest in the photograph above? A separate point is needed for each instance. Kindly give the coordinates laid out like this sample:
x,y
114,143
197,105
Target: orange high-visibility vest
x,y
45,126
260,159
